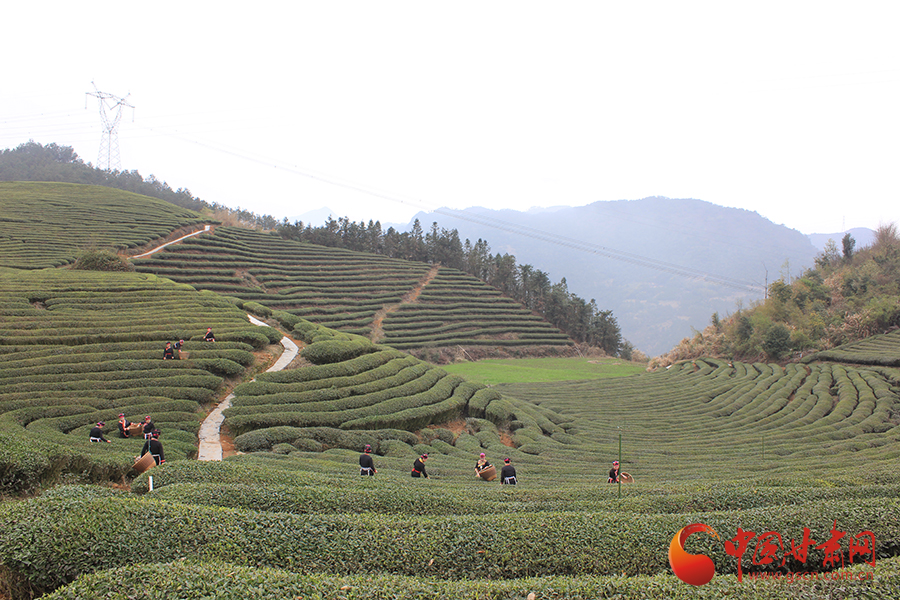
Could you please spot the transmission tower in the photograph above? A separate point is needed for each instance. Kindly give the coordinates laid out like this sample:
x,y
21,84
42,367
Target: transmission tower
x,y
110,115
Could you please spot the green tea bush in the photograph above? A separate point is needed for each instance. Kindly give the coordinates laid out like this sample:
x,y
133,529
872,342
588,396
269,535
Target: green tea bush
x,y
335,351
347,368
255,337
323,438
258,309
287,320
196,580
220,366
43,546
480,401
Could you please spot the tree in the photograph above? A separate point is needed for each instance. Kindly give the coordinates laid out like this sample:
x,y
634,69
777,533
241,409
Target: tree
x,y
744,328
506,277
780,291
848,243
606,333
887,240
829,256
417,243
777,341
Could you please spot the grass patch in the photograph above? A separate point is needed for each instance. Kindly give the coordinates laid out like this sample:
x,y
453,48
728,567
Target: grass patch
x,y
536,370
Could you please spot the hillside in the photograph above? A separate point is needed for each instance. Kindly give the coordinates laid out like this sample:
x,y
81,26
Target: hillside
x,y
433,311
803,451
80,347
835,306
654,306
49,224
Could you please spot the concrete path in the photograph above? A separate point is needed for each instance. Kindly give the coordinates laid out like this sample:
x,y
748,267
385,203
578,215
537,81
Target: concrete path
x,y
184,237
210,440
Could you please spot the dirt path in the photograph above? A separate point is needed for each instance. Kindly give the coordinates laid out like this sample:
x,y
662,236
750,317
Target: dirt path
x,y
408,298
209,434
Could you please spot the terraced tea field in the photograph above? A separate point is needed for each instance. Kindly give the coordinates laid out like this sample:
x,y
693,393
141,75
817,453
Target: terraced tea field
x,y
876,350
804,452
49,224
78,347
758,447
456,309
345,290
709,419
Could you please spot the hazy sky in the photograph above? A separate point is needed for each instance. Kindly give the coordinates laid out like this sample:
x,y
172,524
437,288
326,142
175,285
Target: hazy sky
x,y
786,108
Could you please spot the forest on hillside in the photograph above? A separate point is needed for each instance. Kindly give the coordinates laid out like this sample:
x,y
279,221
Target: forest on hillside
x,y
35,162
850,294
583,321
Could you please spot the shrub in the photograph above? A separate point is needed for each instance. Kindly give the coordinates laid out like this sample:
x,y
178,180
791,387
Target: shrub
x,y
258,309
255,337
335,351
101,260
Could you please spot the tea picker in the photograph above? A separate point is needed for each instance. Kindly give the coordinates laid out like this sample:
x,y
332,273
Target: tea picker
x,y
96,434
508,473
366,465
484,469
418,469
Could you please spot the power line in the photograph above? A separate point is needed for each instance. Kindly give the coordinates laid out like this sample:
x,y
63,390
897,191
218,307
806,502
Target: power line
x,y
619,255
537,234
499,224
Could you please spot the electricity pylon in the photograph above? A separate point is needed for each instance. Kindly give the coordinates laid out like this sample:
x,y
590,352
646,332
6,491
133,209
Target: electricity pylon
x,y
110,115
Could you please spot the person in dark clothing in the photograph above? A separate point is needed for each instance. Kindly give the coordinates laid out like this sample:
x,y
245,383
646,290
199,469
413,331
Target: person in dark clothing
x,y
97,433
154,447
123,426
209,337
508,473
177,346
614,473
418,469
168,353
149,427
366,465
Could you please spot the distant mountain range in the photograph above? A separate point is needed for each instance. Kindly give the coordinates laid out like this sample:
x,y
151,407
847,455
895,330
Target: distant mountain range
x,y
862,235
662,265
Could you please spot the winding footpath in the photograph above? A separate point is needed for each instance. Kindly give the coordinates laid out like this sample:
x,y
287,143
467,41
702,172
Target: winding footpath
x,y
209,434
210,430
206,229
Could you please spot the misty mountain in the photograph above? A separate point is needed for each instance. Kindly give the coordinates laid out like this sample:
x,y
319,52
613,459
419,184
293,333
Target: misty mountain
x,y
863,236
662,265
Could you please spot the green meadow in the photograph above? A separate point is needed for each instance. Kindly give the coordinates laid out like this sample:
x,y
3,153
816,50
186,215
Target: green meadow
x,y
534,370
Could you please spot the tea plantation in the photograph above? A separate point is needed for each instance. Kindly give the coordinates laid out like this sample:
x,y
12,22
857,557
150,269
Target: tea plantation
x,y
881,349
804,455
81,347
349,291
49,224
